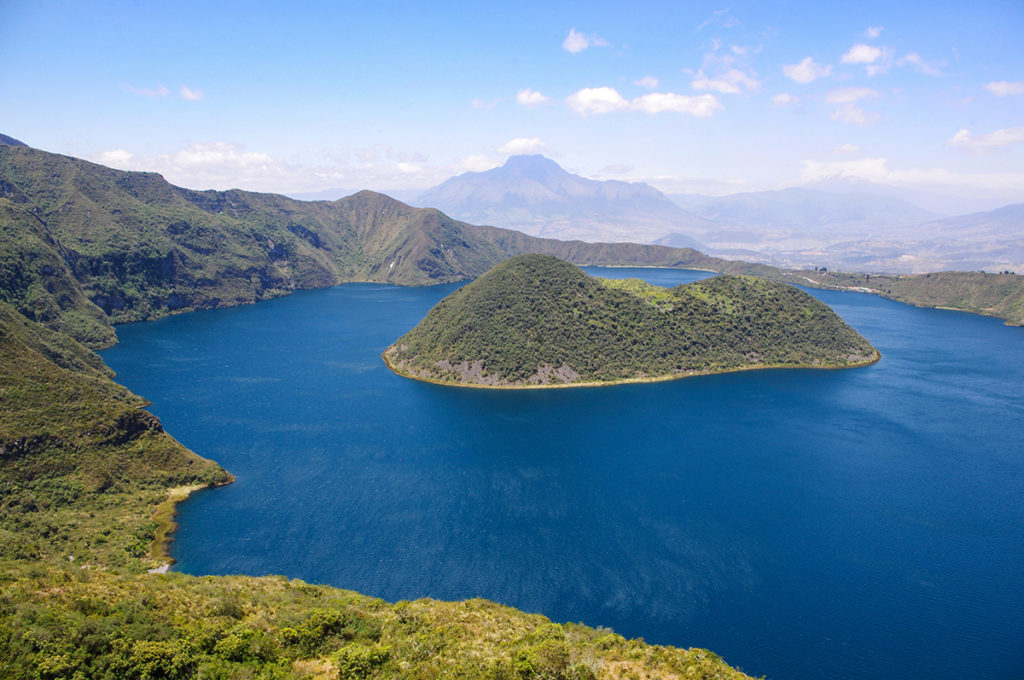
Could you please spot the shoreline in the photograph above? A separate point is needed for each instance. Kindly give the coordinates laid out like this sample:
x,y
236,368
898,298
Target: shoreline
x,y
164,514
626,381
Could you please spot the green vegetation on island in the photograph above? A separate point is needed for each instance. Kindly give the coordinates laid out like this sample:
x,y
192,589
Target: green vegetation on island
x,y
536,320
87,483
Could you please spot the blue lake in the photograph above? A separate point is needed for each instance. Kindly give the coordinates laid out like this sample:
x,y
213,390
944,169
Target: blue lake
x,y
866,523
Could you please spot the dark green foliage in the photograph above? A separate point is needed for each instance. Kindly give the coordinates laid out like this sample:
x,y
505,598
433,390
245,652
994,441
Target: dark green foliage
x,y
535,314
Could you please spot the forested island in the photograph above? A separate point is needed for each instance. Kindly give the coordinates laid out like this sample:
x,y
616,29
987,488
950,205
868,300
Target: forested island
x,y
537,321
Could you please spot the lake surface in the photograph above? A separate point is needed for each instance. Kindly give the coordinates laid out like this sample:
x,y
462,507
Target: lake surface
x,y
866,523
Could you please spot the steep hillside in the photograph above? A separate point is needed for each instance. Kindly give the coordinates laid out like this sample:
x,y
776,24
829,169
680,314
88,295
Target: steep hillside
x,y
536,320
81,466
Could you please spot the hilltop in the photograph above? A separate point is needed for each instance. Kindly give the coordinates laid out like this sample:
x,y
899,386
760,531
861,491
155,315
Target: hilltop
x,y
536,320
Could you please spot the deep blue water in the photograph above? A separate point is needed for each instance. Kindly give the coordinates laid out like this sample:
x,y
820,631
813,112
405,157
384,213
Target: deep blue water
x,y
866,523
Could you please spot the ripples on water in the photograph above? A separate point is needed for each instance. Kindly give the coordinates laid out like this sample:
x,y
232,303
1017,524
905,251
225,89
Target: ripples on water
x,y
865,523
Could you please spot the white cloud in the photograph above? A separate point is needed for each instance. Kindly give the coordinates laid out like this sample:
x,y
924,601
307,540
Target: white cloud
x,y
1006,184
721,17
806,71
576,42
116,158
530,98
732,81
146,91
476,163
482,104
862,54
784,99
846,148
1005,137
918,62
1004,89
700,106
592,100
650,82
521,145
873,31
849,95
853,116
595,100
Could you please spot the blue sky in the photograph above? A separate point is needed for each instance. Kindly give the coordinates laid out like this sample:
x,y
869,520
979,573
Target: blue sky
x,y
689,96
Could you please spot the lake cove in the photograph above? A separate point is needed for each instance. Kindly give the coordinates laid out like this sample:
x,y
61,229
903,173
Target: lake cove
x,y
801,524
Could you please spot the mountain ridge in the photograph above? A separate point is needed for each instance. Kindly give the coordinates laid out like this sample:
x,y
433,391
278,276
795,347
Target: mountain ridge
x,y
533,194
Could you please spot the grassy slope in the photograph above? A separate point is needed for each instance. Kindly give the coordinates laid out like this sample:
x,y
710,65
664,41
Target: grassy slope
x,y
82,469
81,465
535,311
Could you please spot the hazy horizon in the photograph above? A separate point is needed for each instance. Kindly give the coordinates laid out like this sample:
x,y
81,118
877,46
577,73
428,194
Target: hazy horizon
x,y
397,96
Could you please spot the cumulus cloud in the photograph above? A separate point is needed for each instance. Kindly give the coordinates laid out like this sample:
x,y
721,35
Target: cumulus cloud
x,y
1005,89
700,106
520,145
530,98
873,31
733,81
190,94
597,100
591,100
116,158
806,71
993,140
846,148
482,104
576,42
917,61
862,54
849,95
784,99
650,82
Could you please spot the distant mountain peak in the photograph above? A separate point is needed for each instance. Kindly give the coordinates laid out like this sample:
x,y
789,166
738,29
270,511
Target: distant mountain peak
x,y
531,163
534,194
